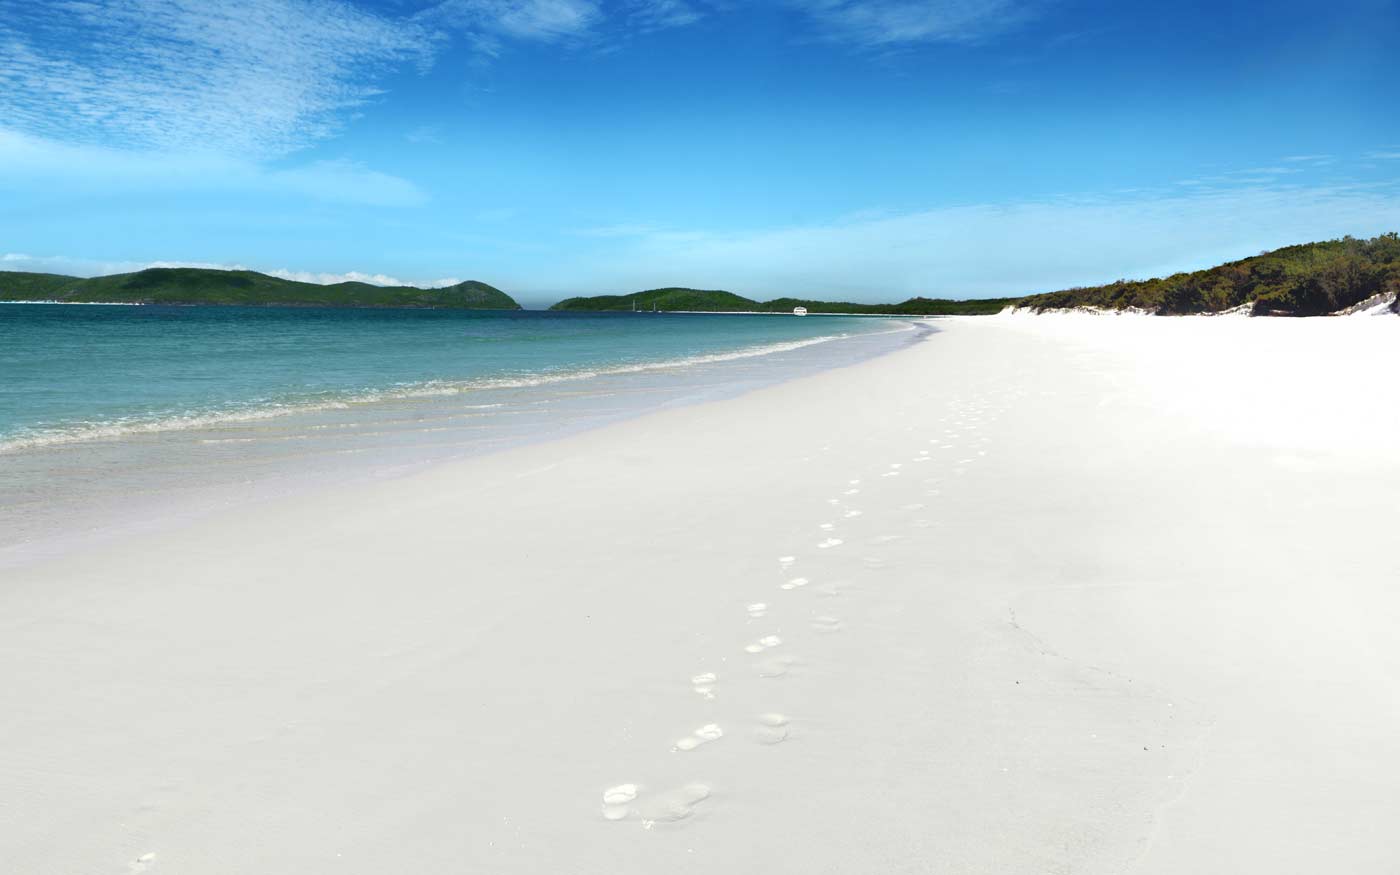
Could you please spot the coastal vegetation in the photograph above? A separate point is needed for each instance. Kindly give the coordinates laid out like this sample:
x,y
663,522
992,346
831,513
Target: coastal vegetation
x,y
1310,279
189,285
718,301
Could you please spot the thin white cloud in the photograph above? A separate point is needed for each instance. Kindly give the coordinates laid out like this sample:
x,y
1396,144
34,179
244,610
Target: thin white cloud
x,y
76,266
1383,156
992,249
354,276
44,166
890,23
255,78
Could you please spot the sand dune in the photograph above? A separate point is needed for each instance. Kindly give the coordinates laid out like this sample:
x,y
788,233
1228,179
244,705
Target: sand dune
x,y
1041,594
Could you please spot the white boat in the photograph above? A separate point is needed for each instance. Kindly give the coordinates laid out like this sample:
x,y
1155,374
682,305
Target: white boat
x,y
799,311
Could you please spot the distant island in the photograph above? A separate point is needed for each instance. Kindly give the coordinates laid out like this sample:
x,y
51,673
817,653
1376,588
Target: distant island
x,y
1310,279
718,301
191,285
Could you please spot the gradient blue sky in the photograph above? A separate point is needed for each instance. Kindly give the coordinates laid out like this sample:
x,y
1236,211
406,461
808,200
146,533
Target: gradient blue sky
x,y
855,149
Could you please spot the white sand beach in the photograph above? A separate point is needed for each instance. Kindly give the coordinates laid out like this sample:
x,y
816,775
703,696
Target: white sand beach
x,y
1040,594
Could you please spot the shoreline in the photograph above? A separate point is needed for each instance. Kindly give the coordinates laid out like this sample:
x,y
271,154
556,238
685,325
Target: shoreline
x,y
1066,602
156,501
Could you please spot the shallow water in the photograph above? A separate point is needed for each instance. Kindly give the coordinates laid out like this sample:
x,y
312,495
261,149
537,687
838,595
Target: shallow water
x,y
113,413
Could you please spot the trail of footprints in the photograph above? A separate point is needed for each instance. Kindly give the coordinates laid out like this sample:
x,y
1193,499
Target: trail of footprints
x,y
959,433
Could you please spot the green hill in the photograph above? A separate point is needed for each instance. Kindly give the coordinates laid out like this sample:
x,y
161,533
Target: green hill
x,y
672,299
1310,279
716,301
189,285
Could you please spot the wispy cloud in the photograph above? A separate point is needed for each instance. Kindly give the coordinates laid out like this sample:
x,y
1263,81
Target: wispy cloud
x,y
256,78
1391,155
487,22
890,23
650,15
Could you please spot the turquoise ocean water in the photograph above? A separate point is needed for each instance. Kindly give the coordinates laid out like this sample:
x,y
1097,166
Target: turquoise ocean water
x,y
106,407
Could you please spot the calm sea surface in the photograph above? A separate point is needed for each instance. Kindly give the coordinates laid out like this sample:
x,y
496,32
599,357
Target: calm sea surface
x,y
104,409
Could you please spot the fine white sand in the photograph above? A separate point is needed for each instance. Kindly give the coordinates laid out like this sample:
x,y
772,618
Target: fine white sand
x,y
1041,594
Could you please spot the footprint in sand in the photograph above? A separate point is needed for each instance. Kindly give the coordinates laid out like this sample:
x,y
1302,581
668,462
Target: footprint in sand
x,y
774,667
885,539
851,492
795,583
786,561
672,805
704,684
757,609
767,642
771,729
617,801
874,562
142,863
890,474
852,514
923,524
704,735
826,527
826,624
829,543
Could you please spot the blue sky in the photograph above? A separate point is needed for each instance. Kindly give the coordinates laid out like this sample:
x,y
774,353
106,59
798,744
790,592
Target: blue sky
x,y
855,149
